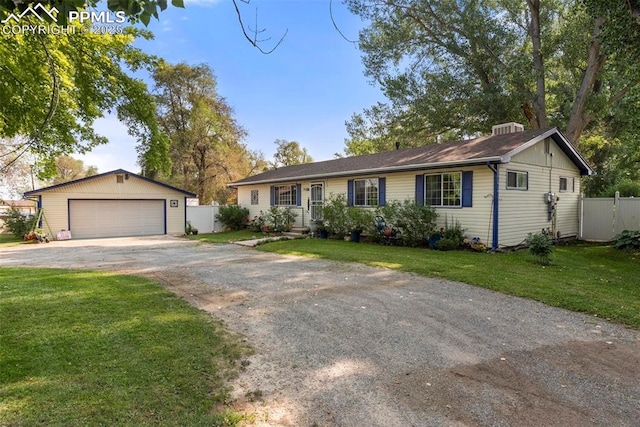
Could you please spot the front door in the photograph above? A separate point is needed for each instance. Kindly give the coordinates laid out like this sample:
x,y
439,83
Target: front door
x,y
315,201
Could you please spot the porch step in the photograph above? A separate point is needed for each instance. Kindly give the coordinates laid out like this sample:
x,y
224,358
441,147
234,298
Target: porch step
x,y
299,230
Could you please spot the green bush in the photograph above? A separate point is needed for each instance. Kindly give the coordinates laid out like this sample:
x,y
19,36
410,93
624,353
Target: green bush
x,y
359,219
18,224
414,221
335,213
540,246
625,188
280,219
447,244
628,239
233,217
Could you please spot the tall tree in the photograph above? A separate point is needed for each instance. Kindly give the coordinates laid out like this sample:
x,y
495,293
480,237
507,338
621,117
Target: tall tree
x,y
465,65
290,153
69,169
55,86
206,149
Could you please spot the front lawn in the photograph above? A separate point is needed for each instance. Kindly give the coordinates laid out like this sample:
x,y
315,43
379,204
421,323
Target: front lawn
x,y
227,236
9,239
91,348
594,279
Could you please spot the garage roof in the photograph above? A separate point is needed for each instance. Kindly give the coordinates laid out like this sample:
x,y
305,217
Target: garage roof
x,y
114,172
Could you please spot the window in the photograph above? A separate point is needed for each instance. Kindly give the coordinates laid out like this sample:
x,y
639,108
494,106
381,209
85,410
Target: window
x,y
254,197
567,184
119,179
285,195
444,189
365,192
563,184
517,180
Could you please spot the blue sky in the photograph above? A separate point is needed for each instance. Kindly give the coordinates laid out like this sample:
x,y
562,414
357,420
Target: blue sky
x,y
304,91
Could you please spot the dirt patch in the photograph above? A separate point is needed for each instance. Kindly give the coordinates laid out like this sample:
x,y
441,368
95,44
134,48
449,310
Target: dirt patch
x,y
541,387
348,345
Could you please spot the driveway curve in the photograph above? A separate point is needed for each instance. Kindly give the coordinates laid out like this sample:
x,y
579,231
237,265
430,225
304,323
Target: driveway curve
x,y
341,344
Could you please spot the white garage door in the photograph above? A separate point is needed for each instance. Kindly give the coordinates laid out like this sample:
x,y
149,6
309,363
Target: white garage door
x,y
116,218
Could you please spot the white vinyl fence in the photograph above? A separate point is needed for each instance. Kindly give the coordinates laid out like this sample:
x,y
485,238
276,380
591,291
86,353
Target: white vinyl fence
x,y
204,218
603,218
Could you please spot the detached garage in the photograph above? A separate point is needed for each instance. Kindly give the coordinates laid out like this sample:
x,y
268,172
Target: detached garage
x,y
113,204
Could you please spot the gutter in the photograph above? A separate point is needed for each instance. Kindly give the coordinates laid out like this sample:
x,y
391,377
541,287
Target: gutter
x,y
496,204
403,168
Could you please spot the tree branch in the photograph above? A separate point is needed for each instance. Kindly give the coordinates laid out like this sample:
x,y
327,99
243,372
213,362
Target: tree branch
x,y
255,42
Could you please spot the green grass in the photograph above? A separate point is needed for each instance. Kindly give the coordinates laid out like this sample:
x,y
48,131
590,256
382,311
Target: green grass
x,y
9,240
92,348
594,279
227,236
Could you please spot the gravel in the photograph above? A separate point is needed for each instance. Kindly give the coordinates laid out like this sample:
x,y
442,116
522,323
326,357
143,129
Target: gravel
x,y
342,344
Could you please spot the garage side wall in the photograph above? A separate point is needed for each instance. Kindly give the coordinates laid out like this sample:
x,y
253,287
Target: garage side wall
x,y
55,201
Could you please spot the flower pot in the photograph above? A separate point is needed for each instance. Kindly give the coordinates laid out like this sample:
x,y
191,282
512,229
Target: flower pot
x,y
355,236
324,234
433,240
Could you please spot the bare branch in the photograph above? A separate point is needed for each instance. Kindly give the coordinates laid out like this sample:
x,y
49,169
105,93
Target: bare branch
x,y
333,21
254,42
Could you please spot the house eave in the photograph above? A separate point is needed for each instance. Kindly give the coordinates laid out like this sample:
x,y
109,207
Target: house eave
x,y
402,168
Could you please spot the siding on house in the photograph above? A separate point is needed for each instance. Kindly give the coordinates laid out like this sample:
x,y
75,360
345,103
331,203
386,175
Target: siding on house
x,y
525,211
476,220
55,200
519,211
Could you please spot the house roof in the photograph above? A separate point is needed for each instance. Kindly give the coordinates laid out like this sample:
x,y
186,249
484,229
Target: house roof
x,y
113,172
18,203
482,150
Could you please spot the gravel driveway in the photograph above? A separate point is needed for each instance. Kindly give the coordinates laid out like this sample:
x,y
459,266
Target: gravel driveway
x,y
348,345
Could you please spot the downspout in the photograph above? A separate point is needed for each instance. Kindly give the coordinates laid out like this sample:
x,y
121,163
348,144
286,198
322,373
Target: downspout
x,y
496,204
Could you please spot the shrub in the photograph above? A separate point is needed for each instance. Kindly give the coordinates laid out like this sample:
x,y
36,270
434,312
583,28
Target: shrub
x,y
414,221
626,188
453,232
280,219
18,224
447,244
257,222
335,214
540,246
233,217
359,219
628,239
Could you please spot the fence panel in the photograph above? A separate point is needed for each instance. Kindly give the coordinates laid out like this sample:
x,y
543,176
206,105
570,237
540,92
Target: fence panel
x,y
597,219
204,218
627,214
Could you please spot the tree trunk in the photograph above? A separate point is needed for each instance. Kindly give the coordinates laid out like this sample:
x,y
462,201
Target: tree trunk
x,y
539,102
578,120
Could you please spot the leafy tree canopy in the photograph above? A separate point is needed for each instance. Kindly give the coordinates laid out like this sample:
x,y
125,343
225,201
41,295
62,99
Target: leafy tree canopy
x,y
205,141
461,67
55,86
290,153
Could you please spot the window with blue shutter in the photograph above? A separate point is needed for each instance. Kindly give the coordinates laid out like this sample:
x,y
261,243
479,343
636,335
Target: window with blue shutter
x,y
298,195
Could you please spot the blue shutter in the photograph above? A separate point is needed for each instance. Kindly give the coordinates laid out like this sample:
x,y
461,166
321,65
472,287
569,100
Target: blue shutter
x,y
298,194
272,196
467,189
420,190
382,191
350,192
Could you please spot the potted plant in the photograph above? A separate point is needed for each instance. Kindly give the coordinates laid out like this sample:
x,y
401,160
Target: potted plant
x,y
435,236
323,231
358,219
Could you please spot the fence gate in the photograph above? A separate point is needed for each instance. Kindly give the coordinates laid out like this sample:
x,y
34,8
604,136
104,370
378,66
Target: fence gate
x,y
603,218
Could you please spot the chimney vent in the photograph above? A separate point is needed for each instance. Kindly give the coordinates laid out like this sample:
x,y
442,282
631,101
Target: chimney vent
x,y
505,128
